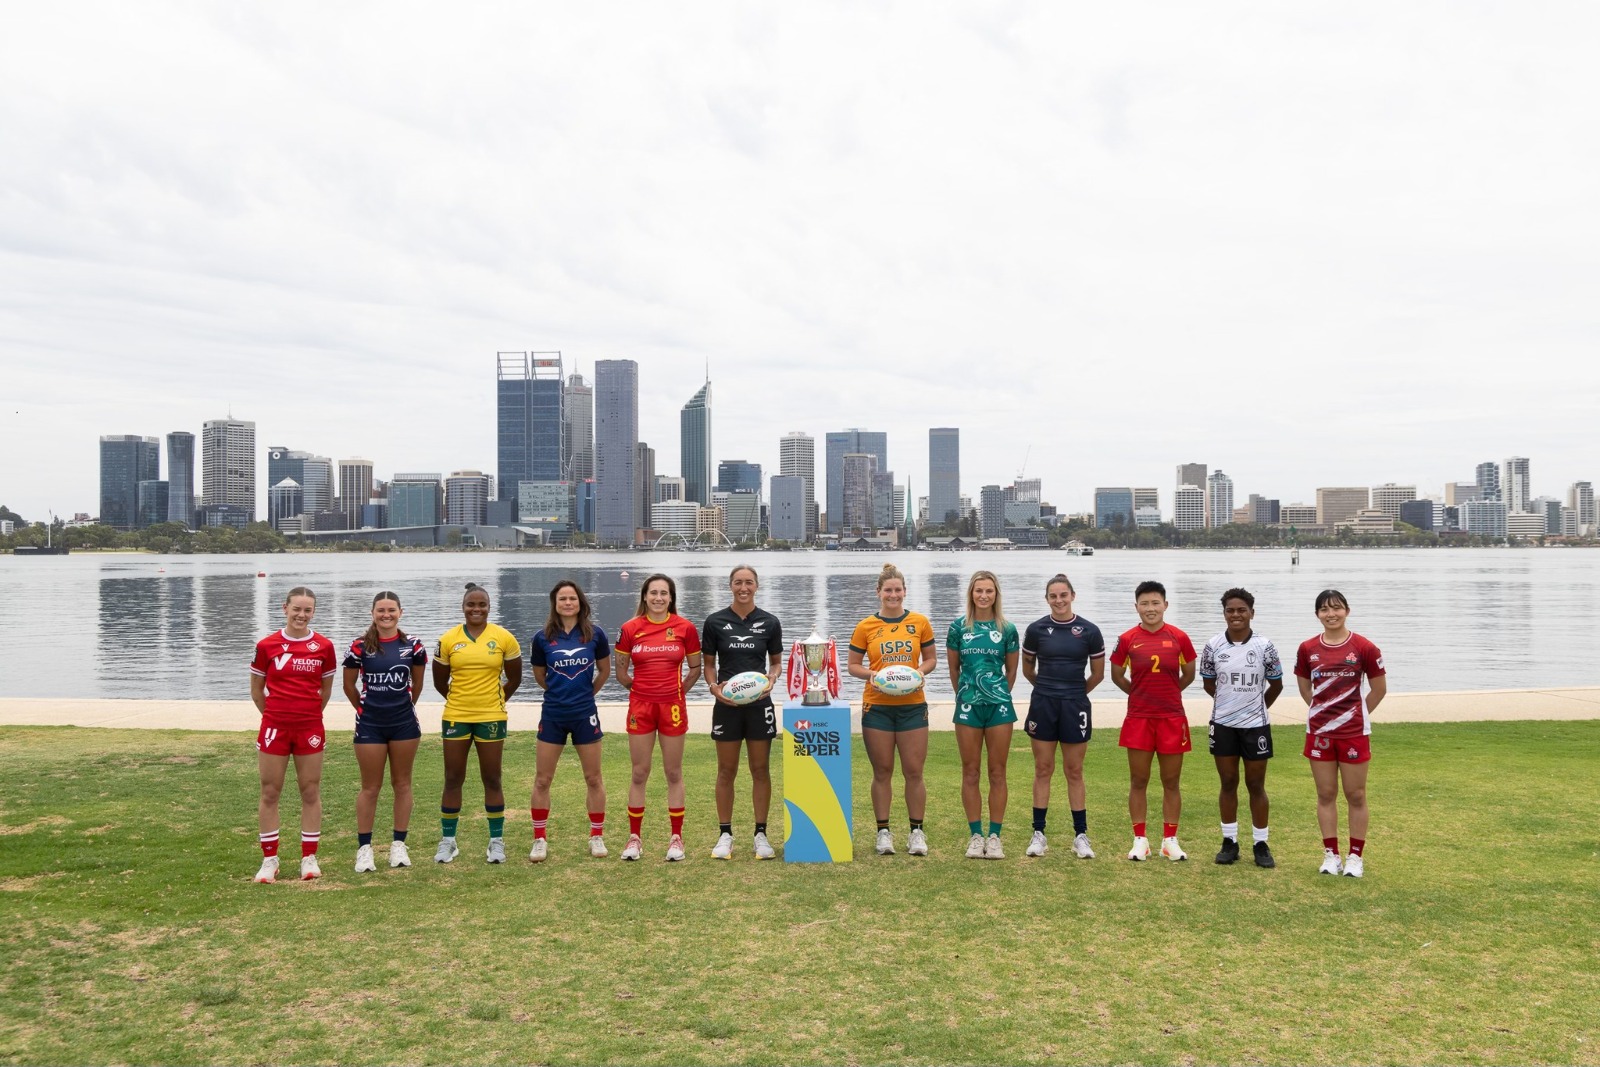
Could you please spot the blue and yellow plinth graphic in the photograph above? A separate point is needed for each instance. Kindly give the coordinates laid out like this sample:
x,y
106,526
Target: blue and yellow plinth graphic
x,y
816,783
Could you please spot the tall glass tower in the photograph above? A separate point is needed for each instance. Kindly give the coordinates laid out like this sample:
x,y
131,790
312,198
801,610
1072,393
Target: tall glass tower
x,y
694,443
125,461
616,447
839,444
944,475
529,391
228,464
180,477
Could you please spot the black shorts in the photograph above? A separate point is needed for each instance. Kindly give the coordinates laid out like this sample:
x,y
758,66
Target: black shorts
x,y
1246,742
380,732
1069,720
752,722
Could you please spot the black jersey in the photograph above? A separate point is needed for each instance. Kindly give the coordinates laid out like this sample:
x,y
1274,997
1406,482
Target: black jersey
x,y
741,645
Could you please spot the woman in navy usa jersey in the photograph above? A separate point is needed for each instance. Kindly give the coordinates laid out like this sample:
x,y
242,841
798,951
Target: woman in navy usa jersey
x,y
389,667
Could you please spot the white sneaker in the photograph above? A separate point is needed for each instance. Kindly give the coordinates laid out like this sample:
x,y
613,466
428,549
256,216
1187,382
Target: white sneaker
x,y
975,847
269,869
1038,846
634,848
764,849
365,860
994,850
885,843
447,850
675,849
723,850
1353,867
497,851
310,868
399,855
917,843
540,849
1172,850
597,847
1330,862
1080,845
1140,849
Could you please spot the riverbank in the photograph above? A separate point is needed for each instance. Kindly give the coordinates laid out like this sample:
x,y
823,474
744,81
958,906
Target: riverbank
x,y
1465,706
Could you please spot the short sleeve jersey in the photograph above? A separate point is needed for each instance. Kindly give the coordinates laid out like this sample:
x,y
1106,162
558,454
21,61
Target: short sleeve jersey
x,y
475,668
1337,707
293,669
982,648
569,664
385,677
883,642
1241,673
741,645
1061,652
1155,660
657,651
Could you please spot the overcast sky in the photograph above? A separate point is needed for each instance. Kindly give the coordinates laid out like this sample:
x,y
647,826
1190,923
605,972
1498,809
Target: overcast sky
x,y
1307,244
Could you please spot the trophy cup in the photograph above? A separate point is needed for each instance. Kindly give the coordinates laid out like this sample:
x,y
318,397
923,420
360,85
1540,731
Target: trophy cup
x,y
814,671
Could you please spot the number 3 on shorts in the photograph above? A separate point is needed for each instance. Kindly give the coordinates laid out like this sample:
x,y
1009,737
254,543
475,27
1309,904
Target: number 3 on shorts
x,y
1083,722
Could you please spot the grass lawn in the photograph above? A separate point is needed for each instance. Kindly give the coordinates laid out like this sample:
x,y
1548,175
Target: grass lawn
x,y
133,934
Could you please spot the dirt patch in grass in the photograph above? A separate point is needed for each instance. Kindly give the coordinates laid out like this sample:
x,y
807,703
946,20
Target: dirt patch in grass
x,y
26,882
37,824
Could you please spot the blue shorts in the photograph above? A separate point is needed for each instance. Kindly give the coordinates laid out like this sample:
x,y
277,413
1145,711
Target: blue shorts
x,y
382,731
583,727
1067,719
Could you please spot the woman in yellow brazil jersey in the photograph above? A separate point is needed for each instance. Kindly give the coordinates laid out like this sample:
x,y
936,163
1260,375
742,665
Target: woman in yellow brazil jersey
x,y
890,723
476,668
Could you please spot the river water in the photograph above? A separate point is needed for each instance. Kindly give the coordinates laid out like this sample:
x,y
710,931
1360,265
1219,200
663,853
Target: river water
x,y
183,627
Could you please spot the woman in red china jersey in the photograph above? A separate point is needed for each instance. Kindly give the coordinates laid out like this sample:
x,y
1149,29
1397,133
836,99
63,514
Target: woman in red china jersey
x,y
1329,668
658,662
291,678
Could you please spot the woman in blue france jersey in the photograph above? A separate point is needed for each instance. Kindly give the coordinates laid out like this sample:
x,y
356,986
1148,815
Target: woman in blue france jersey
x,y
383,678
571,660
981,650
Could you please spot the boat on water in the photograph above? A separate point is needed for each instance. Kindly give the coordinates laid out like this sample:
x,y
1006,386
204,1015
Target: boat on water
x,y
1077,548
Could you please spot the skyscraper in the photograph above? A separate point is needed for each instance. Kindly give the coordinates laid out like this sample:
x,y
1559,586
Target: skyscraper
x,y
125,461
1388,497
644,465
1113,506
1580,498
355,489
1515,488
1189,508
415,499
578,408
1219,499
180,477
1336,504
1195,474
228,465
855,491
944,476
466,498
616,443
788,508
992,512
528,405
738,476
694,444
869,442
1488,479
797,457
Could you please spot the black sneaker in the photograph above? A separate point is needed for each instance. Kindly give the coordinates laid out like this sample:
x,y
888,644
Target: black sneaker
x,y
1264,855
1230,851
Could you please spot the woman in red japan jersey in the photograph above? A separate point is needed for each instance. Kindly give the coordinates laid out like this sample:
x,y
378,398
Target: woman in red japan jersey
x,y
291,679
658,662
1329,668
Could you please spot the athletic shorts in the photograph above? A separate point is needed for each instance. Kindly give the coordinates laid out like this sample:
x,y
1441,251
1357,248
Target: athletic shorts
x,y
1323,749
305,739
752,722
369,732
1067,719
583,729
481,731
648,716
1247,742
1166,734
983,716
895,718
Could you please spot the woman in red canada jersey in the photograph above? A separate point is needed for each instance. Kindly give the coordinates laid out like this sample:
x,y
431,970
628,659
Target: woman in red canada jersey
x,y
1329,668
658,662
291,678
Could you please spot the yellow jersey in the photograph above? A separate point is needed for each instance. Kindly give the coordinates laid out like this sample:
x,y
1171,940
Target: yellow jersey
x,y
882,642
475,666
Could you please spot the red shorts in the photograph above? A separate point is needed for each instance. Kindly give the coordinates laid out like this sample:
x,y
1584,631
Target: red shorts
x,y
285,740
669,718
1324,749
1146,733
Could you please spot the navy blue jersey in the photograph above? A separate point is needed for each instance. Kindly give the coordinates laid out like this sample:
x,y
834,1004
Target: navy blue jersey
x,y
386,677
740,645
569,666
1062,651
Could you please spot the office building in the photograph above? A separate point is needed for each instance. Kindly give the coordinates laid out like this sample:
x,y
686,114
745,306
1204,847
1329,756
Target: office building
x,y
416,499
1298,515
151,503
1460,492
1550,508
681,517
1113,507
884,513
855,500
1525,525
797,457
285,505
738,476
355,490
991,512
125,461
228,467
616,446
1515,488
577,409
838,444
1337,504
466,498
1219,499
694,445
530,428
180,477
644,465
1580,498
1388,497
668,488
787,520
1418,513
742,513
1189,508
1488,480
1195,474
944,476
545,506
1486,518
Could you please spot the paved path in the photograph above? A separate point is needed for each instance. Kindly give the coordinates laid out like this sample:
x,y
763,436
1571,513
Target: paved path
x,y
1468,706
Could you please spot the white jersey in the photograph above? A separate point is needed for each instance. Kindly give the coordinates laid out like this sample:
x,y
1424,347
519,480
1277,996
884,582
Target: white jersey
x,y
1241,673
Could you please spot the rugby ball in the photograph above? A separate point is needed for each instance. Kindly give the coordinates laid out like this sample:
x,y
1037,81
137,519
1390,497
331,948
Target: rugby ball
x,y
744,688
898,680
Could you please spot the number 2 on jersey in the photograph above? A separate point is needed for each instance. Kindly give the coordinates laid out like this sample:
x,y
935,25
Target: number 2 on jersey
x,y
1155,664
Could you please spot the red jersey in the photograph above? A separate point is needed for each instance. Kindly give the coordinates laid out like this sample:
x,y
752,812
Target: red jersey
x,y
1155,660
294,668
656,651
1337,707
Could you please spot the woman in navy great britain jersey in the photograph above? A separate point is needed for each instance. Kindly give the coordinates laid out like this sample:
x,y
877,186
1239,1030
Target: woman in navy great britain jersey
x,y
390,668
571,660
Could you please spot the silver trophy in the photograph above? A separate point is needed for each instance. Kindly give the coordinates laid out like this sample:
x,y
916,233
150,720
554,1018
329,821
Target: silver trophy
x,y
822,670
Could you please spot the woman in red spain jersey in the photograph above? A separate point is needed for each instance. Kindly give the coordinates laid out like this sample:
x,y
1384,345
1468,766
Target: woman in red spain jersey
x,y
1329,668
658,662
291,678
1161,661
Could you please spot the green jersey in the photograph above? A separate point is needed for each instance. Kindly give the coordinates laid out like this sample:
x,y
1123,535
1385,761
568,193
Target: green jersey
x,y
983,648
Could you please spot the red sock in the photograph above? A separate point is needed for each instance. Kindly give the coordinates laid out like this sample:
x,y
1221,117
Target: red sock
x,y
541,821
1331,844
597,824
635,820
269,843
1356,845
675,816
1169,829
1138,829
309,842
